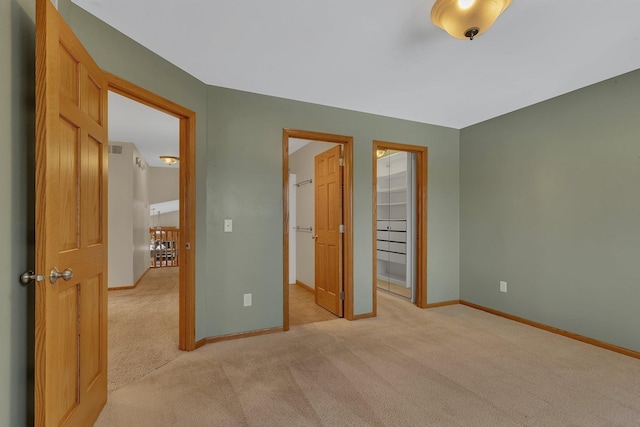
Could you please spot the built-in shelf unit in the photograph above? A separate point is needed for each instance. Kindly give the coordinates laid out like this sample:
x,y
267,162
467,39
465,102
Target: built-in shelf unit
x,y
395,223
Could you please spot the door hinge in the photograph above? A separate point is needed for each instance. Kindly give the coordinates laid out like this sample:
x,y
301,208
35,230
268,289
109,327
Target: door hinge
x,y
341,228
341,162
342,296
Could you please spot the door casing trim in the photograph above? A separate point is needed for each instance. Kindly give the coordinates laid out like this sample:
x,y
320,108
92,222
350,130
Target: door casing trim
x,y
347,212
187,119
422,161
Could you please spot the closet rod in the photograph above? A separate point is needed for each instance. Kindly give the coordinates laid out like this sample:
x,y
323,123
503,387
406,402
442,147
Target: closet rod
x,y
306,181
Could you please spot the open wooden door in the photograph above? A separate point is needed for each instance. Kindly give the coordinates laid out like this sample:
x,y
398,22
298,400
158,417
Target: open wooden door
x,y
328,234
71,227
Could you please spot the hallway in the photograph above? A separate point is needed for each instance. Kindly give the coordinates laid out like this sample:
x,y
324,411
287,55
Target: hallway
x,y
143,327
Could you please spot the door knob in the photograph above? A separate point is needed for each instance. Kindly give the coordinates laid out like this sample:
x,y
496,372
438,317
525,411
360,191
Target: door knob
x,y
29,275
314,237
67,274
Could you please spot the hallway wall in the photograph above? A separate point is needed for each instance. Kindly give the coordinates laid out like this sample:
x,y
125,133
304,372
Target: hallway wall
x,y
164,184
128,217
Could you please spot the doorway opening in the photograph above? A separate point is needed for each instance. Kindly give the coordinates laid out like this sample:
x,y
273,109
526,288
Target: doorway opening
x,y
184,245
400,221
306,202
325,240
143,261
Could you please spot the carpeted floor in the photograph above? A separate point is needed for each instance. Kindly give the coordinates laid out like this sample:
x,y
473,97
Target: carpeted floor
x,y
447,366
143,327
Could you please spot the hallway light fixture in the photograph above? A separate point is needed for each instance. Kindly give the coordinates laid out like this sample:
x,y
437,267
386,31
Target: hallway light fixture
x,y
380,152
466,19
169,160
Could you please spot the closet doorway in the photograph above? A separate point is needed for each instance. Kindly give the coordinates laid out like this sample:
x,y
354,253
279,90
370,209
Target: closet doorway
x,y
400,221
319,232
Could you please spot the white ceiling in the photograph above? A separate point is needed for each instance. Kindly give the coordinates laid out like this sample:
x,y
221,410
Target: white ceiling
x,y
153,132
386,57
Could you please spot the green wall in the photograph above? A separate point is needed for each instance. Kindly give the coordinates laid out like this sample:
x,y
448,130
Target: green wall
x,y
17,134
239,176
244,183
550,203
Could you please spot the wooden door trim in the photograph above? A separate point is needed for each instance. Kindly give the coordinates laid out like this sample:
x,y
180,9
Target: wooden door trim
x,y
347,212
422,160
187,335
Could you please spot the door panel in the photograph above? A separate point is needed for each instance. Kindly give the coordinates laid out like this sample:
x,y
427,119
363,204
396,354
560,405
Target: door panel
x,y
328,241
71,142
68,363
92,187
93,106
69,75
90,305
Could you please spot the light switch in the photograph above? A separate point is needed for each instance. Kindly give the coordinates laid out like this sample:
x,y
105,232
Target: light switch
x,y
228,226
247,300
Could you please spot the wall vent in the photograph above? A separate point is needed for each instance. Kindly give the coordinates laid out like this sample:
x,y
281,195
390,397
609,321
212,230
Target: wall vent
x,y
115,149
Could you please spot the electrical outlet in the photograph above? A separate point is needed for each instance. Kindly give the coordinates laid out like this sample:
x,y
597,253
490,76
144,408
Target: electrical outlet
x,y
228,226
503,286
247,300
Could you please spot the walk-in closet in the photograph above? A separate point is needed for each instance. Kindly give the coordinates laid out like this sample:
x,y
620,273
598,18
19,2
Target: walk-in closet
x,y
396,219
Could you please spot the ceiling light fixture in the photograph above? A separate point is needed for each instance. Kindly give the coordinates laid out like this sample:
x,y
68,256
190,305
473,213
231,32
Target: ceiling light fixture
x,y
466,19
169,160
380,152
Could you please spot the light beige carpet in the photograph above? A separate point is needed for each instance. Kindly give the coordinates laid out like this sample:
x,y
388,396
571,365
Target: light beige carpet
x,y
143,327
448,366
